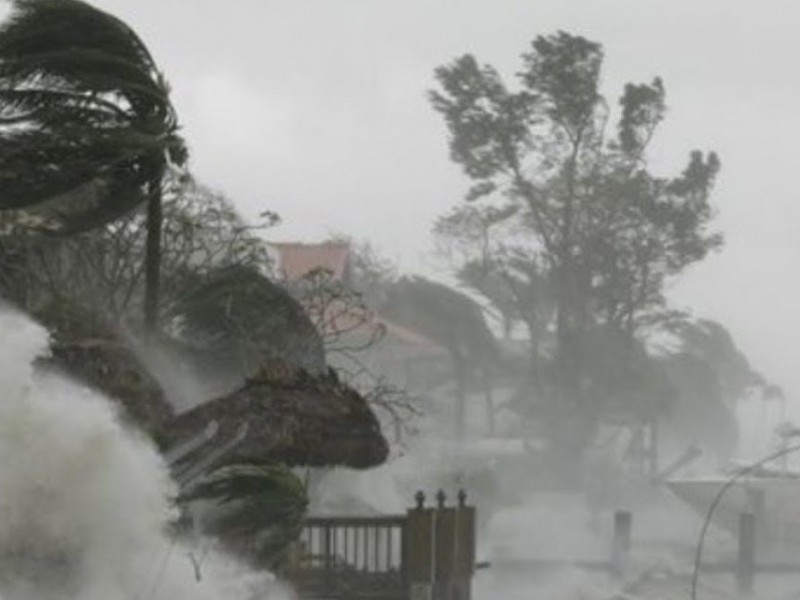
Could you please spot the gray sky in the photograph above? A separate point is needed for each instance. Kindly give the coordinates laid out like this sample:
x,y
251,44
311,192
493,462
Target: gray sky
x,y
317,109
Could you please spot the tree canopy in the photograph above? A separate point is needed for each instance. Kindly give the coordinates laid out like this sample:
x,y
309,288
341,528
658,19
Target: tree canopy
x,y
576,201
241,320
566,228
85,114
447,316
86,125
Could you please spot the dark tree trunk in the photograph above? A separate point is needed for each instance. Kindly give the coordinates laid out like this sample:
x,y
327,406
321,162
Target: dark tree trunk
x,y
152,259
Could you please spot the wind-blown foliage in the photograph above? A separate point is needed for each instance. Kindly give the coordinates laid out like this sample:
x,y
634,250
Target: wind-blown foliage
x,y
85,114
711,343
567,228
446,316
241,320
87,129
577,201
103,269
455,322
255,509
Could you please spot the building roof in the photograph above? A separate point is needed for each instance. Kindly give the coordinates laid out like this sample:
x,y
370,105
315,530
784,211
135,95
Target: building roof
x,y
409,336
294,417
295,259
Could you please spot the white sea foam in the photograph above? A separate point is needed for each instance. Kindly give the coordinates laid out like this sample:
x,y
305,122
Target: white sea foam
x,y
85,503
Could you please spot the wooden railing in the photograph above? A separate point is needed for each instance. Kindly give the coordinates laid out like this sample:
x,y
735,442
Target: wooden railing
x,y
387,557
349,557
373,544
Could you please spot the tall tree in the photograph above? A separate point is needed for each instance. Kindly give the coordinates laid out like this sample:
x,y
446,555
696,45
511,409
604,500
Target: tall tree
x,y
584,210
87,129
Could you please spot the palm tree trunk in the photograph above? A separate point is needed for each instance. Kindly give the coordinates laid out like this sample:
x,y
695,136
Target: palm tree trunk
x,y
152,290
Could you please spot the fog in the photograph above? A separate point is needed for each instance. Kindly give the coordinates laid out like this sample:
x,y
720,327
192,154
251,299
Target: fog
x,y
317,110
614,336
70,471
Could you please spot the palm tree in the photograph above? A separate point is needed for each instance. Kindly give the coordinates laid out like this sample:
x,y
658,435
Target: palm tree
x,y
87,129
239,320
454,321
256,509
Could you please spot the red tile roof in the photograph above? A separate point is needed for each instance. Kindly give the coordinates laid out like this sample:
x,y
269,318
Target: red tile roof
x,y
297,259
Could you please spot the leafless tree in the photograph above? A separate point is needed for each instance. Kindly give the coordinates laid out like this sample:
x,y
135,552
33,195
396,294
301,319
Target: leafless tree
x,y
103,269
350,329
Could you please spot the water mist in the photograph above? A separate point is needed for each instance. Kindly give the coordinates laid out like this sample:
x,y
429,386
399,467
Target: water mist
x,y
85,504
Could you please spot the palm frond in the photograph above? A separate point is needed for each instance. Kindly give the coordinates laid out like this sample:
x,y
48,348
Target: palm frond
x,y
257,509
82,107
48,106
36,166
41,25
245,315
272,484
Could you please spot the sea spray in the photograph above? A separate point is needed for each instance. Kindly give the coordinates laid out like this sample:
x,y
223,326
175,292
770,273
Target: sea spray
x,y
85,504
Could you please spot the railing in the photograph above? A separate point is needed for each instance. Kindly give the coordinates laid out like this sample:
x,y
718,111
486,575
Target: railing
x,y
428,552
346,557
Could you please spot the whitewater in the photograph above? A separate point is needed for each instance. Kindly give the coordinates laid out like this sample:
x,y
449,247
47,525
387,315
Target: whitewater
x,y
86,504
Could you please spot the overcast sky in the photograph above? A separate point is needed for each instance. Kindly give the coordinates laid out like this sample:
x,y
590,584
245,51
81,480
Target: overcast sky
x,y
316,109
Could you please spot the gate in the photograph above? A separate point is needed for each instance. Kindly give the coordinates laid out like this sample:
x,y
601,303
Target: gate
x,y
426,554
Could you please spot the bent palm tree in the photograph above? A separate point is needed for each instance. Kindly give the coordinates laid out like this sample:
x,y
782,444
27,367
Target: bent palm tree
x,y
239,320
86,126
256,509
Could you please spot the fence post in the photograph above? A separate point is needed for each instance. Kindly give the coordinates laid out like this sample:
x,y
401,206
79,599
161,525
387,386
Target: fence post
x,y
621,545
465,552
745,564
443,530
419,550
